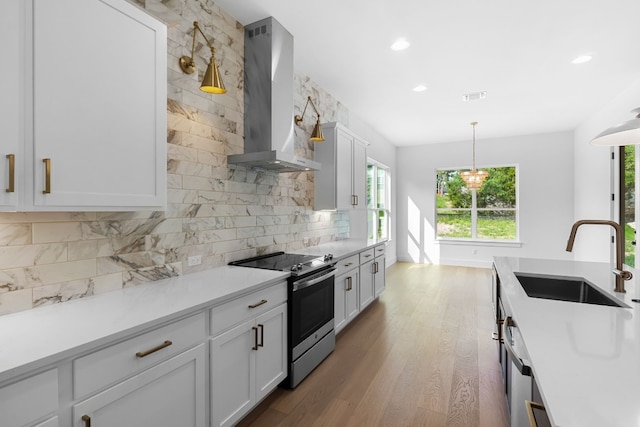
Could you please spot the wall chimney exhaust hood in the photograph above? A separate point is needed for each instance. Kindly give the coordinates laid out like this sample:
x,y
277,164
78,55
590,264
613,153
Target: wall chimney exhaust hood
x,y
268,101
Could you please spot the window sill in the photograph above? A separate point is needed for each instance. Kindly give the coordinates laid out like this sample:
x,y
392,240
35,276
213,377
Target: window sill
x,y
478,242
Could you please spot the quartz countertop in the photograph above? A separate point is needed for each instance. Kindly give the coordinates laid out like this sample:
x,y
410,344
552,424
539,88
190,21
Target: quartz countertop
x,y
342,248
36,338
585,358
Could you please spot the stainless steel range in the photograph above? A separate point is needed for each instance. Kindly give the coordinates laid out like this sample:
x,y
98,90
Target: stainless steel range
x,y
310,308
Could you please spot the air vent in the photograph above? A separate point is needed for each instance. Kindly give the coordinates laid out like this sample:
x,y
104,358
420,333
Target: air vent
x,y
474,96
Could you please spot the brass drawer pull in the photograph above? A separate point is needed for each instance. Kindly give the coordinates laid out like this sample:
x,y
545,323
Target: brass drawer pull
x,y
532,407
86,419
12,173
165,344
255,338
47,176
349,283
258,304
348,264
367,255
376,269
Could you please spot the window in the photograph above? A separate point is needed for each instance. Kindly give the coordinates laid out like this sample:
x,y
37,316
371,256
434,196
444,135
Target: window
x,y
378,197
488,213
628,201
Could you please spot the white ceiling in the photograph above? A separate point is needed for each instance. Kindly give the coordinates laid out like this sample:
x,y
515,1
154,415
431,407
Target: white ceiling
x,y
519,51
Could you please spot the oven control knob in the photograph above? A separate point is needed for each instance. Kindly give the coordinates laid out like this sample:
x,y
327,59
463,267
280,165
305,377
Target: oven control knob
x,y
296,267
328,257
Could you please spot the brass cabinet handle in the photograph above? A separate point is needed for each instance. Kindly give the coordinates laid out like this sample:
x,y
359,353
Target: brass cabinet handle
x,y
165,344
258,304
86,419
375,268
354,200
261,327
367,255
255,338
12,173
348,264
47,176
530,407
349,283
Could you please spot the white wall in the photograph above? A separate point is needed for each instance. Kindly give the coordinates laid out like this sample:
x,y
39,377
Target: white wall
x,y
546,205
593,175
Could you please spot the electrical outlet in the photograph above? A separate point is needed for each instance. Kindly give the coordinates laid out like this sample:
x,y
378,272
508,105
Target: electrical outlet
x,y
194,260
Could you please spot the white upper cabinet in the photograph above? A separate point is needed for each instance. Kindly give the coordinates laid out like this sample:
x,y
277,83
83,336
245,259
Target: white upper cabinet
x,y
94,106
11,84
341,183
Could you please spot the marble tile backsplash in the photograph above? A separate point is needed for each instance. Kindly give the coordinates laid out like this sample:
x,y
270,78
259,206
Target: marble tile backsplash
x,y
217,211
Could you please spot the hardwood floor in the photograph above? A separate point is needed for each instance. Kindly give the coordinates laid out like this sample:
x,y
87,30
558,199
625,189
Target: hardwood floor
x,y
421,355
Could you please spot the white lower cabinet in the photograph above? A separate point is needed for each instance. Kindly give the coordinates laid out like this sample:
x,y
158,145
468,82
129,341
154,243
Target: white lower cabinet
x,y
379,270
367,293
346,298
172,393
249,360
29,401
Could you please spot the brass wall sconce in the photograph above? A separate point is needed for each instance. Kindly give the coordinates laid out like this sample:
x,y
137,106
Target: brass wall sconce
x,y
212,82
316,135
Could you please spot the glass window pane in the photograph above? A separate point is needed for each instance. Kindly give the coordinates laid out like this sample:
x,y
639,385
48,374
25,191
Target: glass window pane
x,y
381,188
371,186
453,223
499,225
628,207
499,189
451,191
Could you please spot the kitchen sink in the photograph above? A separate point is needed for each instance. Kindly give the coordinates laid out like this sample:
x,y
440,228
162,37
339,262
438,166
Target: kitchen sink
x,y
564,288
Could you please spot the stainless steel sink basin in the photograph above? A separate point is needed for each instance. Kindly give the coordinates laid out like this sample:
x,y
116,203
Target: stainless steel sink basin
x,y
564,288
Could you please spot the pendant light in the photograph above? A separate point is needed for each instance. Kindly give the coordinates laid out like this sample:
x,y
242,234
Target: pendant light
x,y
625,133
474,178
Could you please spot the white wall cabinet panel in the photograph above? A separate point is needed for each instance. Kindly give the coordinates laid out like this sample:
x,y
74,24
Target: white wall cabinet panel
x,y
341,183
83,107
367,293
379,270
11,101
346,298
271,360
169,394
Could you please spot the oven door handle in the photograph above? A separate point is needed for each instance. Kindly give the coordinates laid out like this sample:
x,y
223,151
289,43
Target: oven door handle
x,y
301,284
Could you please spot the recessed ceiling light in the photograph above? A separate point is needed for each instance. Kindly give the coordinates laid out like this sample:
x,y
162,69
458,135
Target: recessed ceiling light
x,y
420,88
582,59
400,44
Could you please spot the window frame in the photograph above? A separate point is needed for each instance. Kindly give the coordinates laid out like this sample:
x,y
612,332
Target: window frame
x,y
387,195
474,240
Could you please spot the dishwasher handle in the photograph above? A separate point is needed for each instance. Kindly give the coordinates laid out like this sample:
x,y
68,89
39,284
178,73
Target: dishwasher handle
x,y
522,367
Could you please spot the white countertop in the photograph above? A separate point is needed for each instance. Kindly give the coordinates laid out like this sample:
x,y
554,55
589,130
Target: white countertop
x,y
585,358
36,338
342,248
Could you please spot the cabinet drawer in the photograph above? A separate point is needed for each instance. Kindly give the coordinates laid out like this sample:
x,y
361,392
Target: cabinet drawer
x,y
379,250
248,306
107,366
28,400
366,255
347,264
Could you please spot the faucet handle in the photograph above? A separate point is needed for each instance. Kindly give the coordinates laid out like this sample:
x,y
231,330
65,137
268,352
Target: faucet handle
x,y
624,274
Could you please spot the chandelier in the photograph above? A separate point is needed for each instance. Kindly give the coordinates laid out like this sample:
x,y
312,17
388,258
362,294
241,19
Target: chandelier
x,y
474,178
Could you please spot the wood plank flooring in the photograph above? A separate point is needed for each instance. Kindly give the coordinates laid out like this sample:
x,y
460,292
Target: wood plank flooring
x,y
421,355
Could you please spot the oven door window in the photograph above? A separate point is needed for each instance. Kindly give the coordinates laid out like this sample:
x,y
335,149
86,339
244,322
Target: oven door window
x,y
312,307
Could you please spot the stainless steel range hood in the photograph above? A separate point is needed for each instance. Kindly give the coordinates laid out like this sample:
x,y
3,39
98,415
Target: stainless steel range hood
x,y
268,100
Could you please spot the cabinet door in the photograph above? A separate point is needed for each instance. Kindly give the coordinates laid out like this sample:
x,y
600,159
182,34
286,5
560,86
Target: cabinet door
x,y
169,394
99,111
360,174
340,306
233,374
379,278
344,180
271,356
28,400
366,284
11,105
351,296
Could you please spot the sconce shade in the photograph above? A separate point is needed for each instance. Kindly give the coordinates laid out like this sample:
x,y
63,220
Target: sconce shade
x,y
212,82
625,133
316,135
